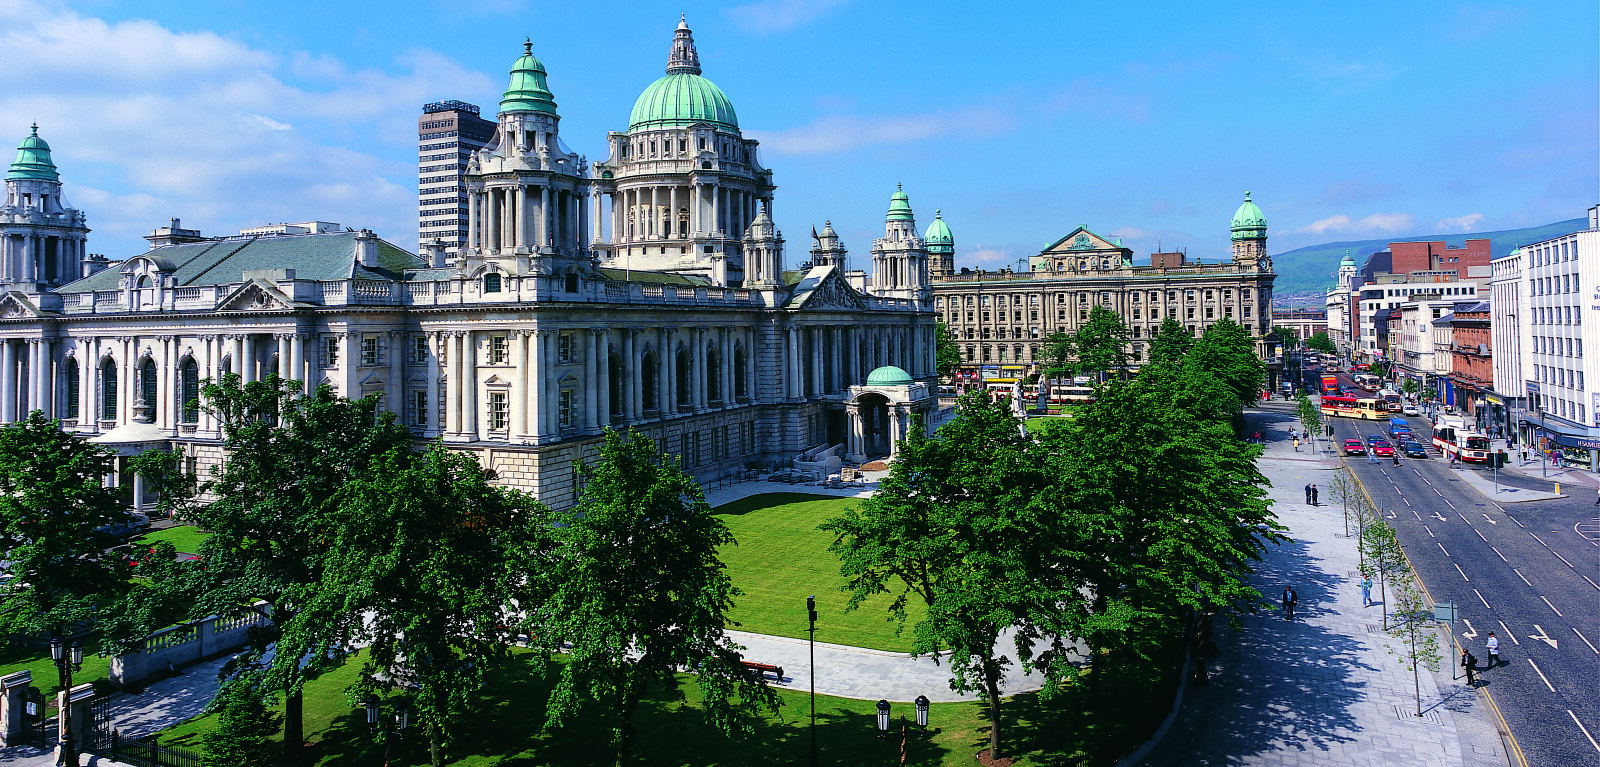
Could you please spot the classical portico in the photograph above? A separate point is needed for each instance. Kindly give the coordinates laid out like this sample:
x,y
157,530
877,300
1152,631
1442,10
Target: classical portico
x,y
879,413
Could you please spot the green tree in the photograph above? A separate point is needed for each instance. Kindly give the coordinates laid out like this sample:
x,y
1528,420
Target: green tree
x,y
1226,352
175,489
1381,545
436,559
1171,343
1310,419
1288,336
1343,490
1319,341
1165,513
1059,358
53,508
1101,343
274,522
640,593
1411,386
244,732
952,526
1421,645
949,354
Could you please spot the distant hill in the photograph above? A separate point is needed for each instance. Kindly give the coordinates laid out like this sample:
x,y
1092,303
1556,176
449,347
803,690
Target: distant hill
x,y
1307,273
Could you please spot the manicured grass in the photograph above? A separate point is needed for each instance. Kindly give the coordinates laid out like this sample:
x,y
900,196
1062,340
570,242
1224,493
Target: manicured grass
x,y
185,538
14,657
506,728
1038,424
782,557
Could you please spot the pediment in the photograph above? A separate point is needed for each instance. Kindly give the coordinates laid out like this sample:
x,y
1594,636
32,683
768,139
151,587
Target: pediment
x,y
256,296
17,307
1081,241
824,288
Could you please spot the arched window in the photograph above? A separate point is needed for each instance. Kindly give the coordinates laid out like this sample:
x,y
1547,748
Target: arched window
x,y
147,390
108,389
491,282
685,363
741,375
713,376
144,281
572,282
72,388
650,382
189,392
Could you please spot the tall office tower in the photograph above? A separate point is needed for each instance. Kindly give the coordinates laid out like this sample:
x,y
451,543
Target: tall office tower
x,y
447,134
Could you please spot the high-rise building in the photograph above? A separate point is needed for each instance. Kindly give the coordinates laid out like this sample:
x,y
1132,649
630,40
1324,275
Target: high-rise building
x,y
447,134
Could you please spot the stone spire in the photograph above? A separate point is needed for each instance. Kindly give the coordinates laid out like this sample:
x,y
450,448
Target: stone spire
x,y
683,59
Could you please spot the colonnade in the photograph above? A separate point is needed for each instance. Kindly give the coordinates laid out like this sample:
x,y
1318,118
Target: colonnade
x,y
657,212
504,218
27,257
828,359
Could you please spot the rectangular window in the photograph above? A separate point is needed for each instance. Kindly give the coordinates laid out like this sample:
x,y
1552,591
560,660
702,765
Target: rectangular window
x,y
419,408
369,350
419,352
569,409
566,348
1247,311
330,352
497,350
498,413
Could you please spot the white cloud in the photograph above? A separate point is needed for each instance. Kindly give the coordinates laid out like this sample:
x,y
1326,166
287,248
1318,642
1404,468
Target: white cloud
x,y
1376,223
773,16
149,123
1459,224
833,134
980,257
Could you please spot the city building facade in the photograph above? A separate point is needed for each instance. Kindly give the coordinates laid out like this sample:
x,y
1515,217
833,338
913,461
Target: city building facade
x,y
1507,301
448,134
1472,362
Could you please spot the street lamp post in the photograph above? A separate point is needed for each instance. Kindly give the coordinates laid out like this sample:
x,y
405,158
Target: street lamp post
x,y
378,723
883,719
811,618
67,660
922,712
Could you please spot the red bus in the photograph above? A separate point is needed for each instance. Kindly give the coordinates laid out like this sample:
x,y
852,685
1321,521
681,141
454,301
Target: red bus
x,y
1330,385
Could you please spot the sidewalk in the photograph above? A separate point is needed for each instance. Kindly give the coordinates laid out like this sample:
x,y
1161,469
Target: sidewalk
x,y
1323,689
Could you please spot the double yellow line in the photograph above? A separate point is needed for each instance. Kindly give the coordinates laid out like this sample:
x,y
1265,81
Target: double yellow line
x,y
1510,739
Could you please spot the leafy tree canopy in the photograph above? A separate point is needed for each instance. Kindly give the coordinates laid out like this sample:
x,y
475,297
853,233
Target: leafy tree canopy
x,y
1320,341
949,354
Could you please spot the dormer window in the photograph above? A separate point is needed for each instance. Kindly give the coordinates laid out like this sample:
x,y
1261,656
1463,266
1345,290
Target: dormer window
x,y
491,282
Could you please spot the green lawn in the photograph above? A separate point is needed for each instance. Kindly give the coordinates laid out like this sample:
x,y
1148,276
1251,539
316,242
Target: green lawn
x,y
1039,423
185,538
14,657
782,557
506,728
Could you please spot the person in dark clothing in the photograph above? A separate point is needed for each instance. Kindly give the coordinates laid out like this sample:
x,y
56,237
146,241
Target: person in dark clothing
x,y
1470,663
1314,493
1289,601
1308,495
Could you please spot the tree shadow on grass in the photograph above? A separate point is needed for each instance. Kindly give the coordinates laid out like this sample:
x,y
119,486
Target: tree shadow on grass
x,y
764,501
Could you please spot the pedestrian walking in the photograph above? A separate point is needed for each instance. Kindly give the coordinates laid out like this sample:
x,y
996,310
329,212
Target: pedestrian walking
x,y
1372,456
1308,495
1470,663
1297,444
1314,493
1290,599
1366,592
1494,650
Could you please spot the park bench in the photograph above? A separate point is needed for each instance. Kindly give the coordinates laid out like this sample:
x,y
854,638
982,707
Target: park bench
x,y
764,668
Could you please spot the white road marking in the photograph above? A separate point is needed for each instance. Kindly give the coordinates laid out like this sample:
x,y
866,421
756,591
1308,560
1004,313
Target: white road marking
x,y
1430,531
1552,607
1585,729
1408,503
1425,479
1520,575
1540,540
1463,517
1480,535
1490,521
1441,548
1563,559
1543,637
1486,605
1508,631
1436,490
1541,675
1463,573
1498,554
1447,502
1438,516
1470,633
1585,640
1591,583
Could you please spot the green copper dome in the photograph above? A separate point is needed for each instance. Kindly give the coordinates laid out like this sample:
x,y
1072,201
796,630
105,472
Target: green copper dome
x,y
938,236
528,91
33,160
682,97
1248,223
888,375
899,205
1348,259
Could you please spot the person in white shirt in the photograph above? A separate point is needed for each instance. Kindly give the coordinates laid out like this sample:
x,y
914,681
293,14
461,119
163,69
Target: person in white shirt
x,y
1494,650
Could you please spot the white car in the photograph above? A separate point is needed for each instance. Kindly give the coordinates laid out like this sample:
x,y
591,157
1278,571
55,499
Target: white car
x,y
1411,410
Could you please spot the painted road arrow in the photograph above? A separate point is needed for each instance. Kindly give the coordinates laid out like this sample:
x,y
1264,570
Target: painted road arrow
x,y
1470,633
1543,637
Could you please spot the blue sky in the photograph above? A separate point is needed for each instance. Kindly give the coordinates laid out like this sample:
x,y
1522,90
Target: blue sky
x,y
1020,121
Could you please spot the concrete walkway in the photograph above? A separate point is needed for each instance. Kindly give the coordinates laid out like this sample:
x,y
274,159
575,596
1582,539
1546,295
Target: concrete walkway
x,y
1323,689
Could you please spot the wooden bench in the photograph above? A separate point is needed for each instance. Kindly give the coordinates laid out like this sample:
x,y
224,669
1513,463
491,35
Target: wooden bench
x,y
764,668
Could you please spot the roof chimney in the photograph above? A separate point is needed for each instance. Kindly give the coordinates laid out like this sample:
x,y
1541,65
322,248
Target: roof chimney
x,y
367,248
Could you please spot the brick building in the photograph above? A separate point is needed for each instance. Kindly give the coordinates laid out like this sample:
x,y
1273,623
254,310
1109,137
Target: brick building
x,y
1471,356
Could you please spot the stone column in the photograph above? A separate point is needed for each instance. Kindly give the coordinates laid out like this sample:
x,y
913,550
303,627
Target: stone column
x,y
797,381
536,377
208,420
125,392
545,237
9,375
697,364
166,391
247,361
472,220
819,384
36,365
88,374
591,378
297,361
431,428
469,387
630,378
284,370
396,385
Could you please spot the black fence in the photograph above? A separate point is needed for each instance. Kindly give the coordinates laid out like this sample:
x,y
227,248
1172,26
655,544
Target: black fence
x,y
147,751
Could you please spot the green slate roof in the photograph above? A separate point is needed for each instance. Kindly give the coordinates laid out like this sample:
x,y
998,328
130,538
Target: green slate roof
x,y
33,160
224,262
899,205
528,91
682,99
938,236
888,375
653,278
1248,222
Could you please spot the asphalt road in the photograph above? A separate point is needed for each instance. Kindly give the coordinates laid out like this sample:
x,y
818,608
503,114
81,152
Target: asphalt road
x,y
1529,572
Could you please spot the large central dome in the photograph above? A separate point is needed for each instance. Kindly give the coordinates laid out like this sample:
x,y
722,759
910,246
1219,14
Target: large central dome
x,y
682,97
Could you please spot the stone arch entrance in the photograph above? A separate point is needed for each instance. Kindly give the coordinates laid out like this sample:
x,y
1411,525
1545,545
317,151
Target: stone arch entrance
x,y
880,413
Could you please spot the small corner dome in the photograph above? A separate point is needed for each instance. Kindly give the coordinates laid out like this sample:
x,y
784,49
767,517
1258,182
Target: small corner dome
x,y
33,160
938,233
889,375
1248,221
1348,260
899,205
528,90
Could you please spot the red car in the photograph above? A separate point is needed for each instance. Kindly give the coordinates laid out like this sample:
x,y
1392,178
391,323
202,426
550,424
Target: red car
x,y
1382,448
1355,447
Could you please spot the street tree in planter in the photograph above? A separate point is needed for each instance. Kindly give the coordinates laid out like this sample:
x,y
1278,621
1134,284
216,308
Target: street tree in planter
x,y
953,527
441,564
1383,553
640,593
1413,627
